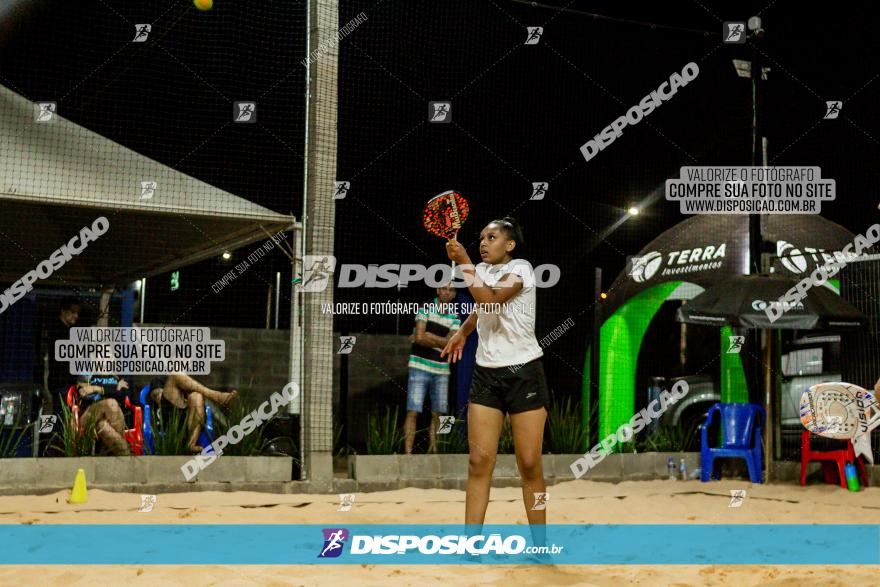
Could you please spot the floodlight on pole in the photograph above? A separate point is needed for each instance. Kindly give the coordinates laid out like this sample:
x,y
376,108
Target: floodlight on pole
x,y
755,26
633,211
744,69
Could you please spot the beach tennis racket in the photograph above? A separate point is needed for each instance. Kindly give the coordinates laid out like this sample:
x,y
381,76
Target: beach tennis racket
x,y
843,411
445,213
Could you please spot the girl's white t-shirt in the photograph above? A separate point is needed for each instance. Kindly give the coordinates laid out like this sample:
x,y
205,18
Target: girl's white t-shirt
x,y
507,334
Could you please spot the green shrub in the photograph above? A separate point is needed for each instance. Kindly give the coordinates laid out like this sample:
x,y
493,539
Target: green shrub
x,y
455,442
340,449
505,441
77,443
10,443
668,438
384,437
169,432
251,444
565,433
628,447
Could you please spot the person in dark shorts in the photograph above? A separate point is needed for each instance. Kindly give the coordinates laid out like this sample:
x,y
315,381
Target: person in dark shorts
x,y
183,392
58,378
100,398
509,377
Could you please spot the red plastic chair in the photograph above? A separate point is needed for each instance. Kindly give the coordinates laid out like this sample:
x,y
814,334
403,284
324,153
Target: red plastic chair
x,y
134,436
73,404
827,457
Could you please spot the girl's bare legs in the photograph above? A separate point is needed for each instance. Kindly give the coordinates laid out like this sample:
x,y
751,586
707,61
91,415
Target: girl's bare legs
x,y
484,428
528,437
179,385
109,425
112,439
109,409
195,419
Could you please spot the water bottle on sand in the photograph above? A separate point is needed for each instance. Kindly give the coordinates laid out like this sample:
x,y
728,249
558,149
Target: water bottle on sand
x,y
852,478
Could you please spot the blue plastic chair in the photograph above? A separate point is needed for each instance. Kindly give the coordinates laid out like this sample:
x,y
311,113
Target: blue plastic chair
x,y
149,446
206,437
742,425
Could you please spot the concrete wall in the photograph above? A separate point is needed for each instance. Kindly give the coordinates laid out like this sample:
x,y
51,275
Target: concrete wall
x,y
450,471
377,377
385,472
144,474
367,473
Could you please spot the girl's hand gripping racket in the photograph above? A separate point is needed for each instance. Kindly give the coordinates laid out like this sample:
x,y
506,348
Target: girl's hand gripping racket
x,y
444,214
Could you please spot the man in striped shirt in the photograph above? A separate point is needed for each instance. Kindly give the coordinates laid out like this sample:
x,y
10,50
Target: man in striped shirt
x,y
428,372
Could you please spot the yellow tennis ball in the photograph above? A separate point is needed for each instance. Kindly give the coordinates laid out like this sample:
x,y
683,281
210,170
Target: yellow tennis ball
x,y
204,4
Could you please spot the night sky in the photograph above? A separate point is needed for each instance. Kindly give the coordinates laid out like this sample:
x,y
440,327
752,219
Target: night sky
x,y
519,114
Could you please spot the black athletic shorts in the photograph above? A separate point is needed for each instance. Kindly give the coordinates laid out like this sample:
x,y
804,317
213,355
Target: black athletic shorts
x,y
514,389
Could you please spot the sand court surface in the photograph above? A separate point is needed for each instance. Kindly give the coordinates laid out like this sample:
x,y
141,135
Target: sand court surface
x,y
577,502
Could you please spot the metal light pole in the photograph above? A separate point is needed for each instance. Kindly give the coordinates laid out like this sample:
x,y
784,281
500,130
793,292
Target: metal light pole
x,y
755,244
596,344
763,370
759,370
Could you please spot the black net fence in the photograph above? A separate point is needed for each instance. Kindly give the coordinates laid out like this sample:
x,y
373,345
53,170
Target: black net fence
x,y
178,137
196,133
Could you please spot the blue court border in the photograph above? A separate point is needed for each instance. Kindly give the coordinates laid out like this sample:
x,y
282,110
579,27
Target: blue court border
x,y
285,544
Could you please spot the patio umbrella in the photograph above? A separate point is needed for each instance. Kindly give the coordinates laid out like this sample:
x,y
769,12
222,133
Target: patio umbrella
x,y
740,301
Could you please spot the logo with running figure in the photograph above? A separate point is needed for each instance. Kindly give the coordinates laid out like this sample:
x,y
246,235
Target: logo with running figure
x,y
540,501
736,343
737,497
534,34
446,424
341,190
148,502
244,112
734,33
346,500
47,424
832,109
45,111
539,190
148,189
334,540
440,112
142,31
346,345
318,272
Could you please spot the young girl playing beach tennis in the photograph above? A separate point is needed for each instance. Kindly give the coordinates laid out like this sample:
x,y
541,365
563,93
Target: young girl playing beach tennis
x,y
509,376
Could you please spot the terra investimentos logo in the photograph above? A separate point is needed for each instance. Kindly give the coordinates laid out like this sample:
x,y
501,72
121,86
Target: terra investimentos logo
x,y
710,257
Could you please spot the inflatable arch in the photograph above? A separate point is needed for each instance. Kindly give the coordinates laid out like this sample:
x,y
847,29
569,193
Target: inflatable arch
x,y
621,338
698,253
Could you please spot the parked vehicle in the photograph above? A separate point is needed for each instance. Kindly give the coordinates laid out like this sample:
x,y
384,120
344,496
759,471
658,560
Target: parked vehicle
x,y
19,409
806,361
